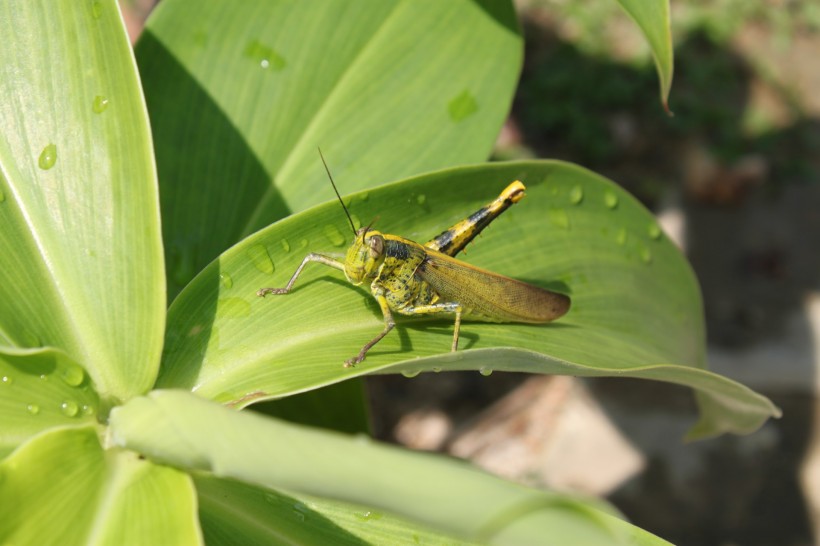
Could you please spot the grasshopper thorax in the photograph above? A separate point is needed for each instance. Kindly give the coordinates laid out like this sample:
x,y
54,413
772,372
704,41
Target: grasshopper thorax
x,y
365,256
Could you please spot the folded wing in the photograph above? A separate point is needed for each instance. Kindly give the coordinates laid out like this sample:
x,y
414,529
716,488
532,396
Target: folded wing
x,y
488,296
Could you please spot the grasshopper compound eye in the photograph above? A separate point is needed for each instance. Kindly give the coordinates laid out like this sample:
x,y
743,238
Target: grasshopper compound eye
x,y
376,246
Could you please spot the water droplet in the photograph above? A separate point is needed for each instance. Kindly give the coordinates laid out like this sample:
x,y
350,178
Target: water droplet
x,y
436,369
559,218
365,196
485,371
33,409
646,254
421,199
410,374
261,259
654,231
621,236
226,279
610,200
88,410
100,104
265,55
368,515
6,380
285,245
300,511
356,222
334,236
43,377
576,195
233,308
303,243
69,408
71,374
48,157
96,10
462,106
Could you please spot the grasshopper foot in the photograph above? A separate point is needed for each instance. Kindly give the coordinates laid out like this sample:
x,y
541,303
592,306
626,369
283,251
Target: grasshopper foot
x,y
262,292
351,362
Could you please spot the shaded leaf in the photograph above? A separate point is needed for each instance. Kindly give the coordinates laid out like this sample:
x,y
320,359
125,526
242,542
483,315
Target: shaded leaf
x,y
242,93
62,488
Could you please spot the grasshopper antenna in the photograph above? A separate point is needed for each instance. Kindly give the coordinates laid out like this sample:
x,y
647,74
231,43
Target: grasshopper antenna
x,y
332,183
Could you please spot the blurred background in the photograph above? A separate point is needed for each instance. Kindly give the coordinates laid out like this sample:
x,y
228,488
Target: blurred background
x,y
734,178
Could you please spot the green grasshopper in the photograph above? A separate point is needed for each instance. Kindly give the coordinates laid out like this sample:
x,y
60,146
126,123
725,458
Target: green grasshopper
x,y
412,279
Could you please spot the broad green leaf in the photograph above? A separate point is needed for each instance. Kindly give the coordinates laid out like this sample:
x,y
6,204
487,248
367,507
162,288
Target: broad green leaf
x,y
81,267
232,512
40,389
186,431
636,305
652,16
241,94
62,488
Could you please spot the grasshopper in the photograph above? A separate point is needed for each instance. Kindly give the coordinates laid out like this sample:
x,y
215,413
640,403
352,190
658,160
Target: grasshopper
x,y
412,279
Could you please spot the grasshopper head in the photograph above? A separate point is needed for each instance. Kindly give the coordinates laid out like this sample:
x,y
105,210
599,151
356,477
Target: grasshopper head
x,y
365,256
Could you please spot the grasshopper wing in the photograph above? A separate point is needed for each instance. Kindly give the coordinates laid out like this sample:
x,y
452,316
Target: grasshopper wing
x,y
489,296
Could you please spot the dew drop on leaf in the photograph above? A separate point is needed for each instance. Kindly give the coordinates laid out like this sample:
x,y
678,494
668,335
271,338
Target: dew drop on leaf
x,y
69,408
260,258
485,371
285,245
71,374
33,409
226,280
646,254
333,235
462,106
620,237
654,231
6,380
559,218
233,308
100,104
48,157
576,195
610,200
410,374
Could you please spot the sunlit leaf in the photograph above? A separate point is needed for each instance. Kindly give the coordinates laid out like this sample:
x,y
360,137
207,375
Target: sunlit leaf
x,y
242,93
81,267
62,488
636,305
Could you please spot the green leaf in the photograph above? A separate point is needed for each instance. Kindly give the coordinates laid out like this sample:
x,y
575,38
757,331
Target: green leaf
x,y
187,431
81,267
241,94
41,389
232,512
636,305
62,488
652,16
